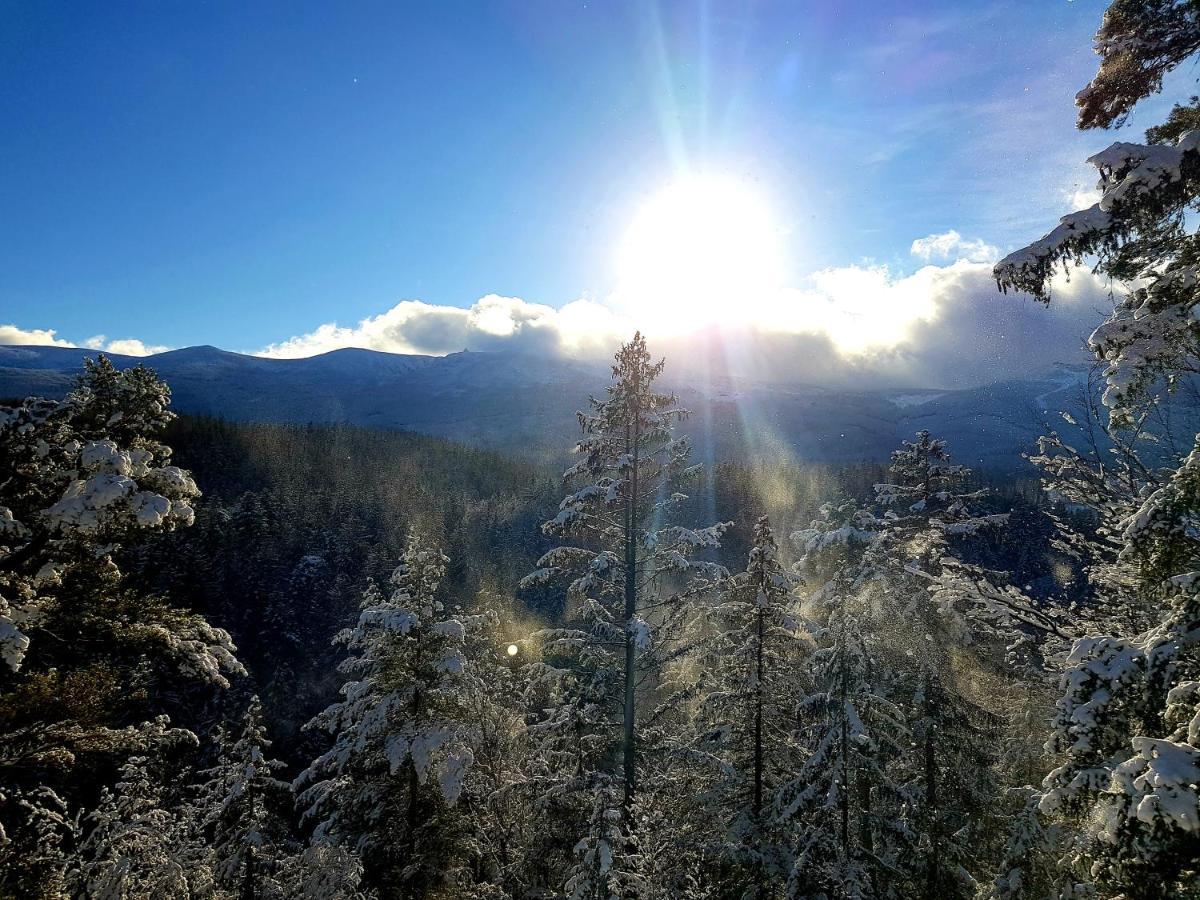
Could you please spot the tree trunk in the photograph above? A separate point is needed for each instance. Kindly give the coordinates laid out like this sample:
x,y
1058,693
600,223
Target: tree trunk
x,y
758,742
249,878
865,835
414,785
933,862
629,747
844,793
249,886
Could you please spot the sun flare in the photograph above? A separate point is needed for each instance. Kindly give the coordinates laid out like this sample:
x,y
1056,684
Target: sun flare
x,y
697,253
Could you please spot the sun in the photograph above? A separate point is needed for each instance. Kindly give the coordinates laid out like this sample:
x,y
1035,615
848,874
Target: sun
x,y
701,251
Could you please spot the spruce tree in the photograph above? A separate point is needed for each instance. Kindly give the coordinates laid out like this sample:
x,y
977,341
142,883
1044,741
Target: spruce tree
x,y
137,845
842,800
388,788
83,656
753,669
243,814
630,577
944,772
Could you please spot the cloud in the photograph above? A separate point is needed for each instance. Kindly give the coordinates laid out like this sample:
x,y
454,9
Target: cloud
x,y
950,245
976,335
939,327
11,334
581,327
942,325
48,337
124,346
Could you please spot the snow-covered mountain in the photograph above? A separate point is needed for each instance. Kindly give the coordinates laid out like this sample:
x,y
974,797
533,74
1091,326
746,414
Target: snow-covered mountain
x,y
526,403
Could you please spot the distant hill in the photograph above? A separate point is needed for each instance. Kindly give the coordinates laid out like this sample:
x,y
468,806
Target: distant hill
x,y
524,403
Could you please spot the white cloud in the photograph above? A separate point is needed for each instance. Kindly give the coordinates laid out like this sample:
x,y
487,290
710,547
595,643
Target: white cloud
x,y
950,245
11,334
124,346
940,326
412,326
48,337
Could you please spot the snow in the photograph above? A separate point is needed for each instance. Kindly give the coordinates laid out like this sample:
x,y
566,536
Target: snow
x,y
640,630
453,773
904,401
13,643
1127,171
1162,778
9,526
83,502
400,621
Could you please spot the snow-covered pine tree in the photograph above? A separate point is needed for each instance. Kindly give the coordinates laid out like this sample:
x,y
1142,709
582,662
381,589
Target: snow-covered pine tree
x,y
607,864
497,798
1127,728
629,468
630,577
243,808
753,671
1124,793
389,786
81,655
136,844
841,802
324,872
88,472
926,505
1137,231
945,771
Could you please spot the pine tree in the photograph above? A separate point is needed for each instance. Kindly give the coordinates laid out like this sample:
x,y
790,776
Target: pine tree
x,y
945,771
403,739
88,472
323,871
630,578
136,845
753,668
497,798
243,816
838,803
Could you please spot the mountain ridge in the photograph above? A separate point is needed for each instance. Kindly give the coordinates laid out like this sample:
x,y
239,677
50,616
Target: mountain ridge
x,y
525,403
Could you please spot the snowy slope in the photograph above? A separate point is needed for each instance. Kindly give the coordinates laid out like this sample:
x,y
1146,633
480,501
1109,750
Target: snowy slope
x,y
526,403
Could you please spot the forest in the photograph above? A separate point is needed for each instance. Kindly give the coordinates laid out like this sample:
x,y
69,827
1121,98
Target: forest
x,y
243,660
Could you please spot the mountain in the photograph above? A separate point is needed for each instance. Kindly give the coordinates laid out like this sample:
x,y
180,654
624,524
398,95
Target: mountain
x,y
526,403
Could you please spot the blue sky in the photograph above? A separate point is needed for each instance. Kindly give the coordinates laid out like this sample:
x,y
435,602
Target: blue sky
x,y
237,174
